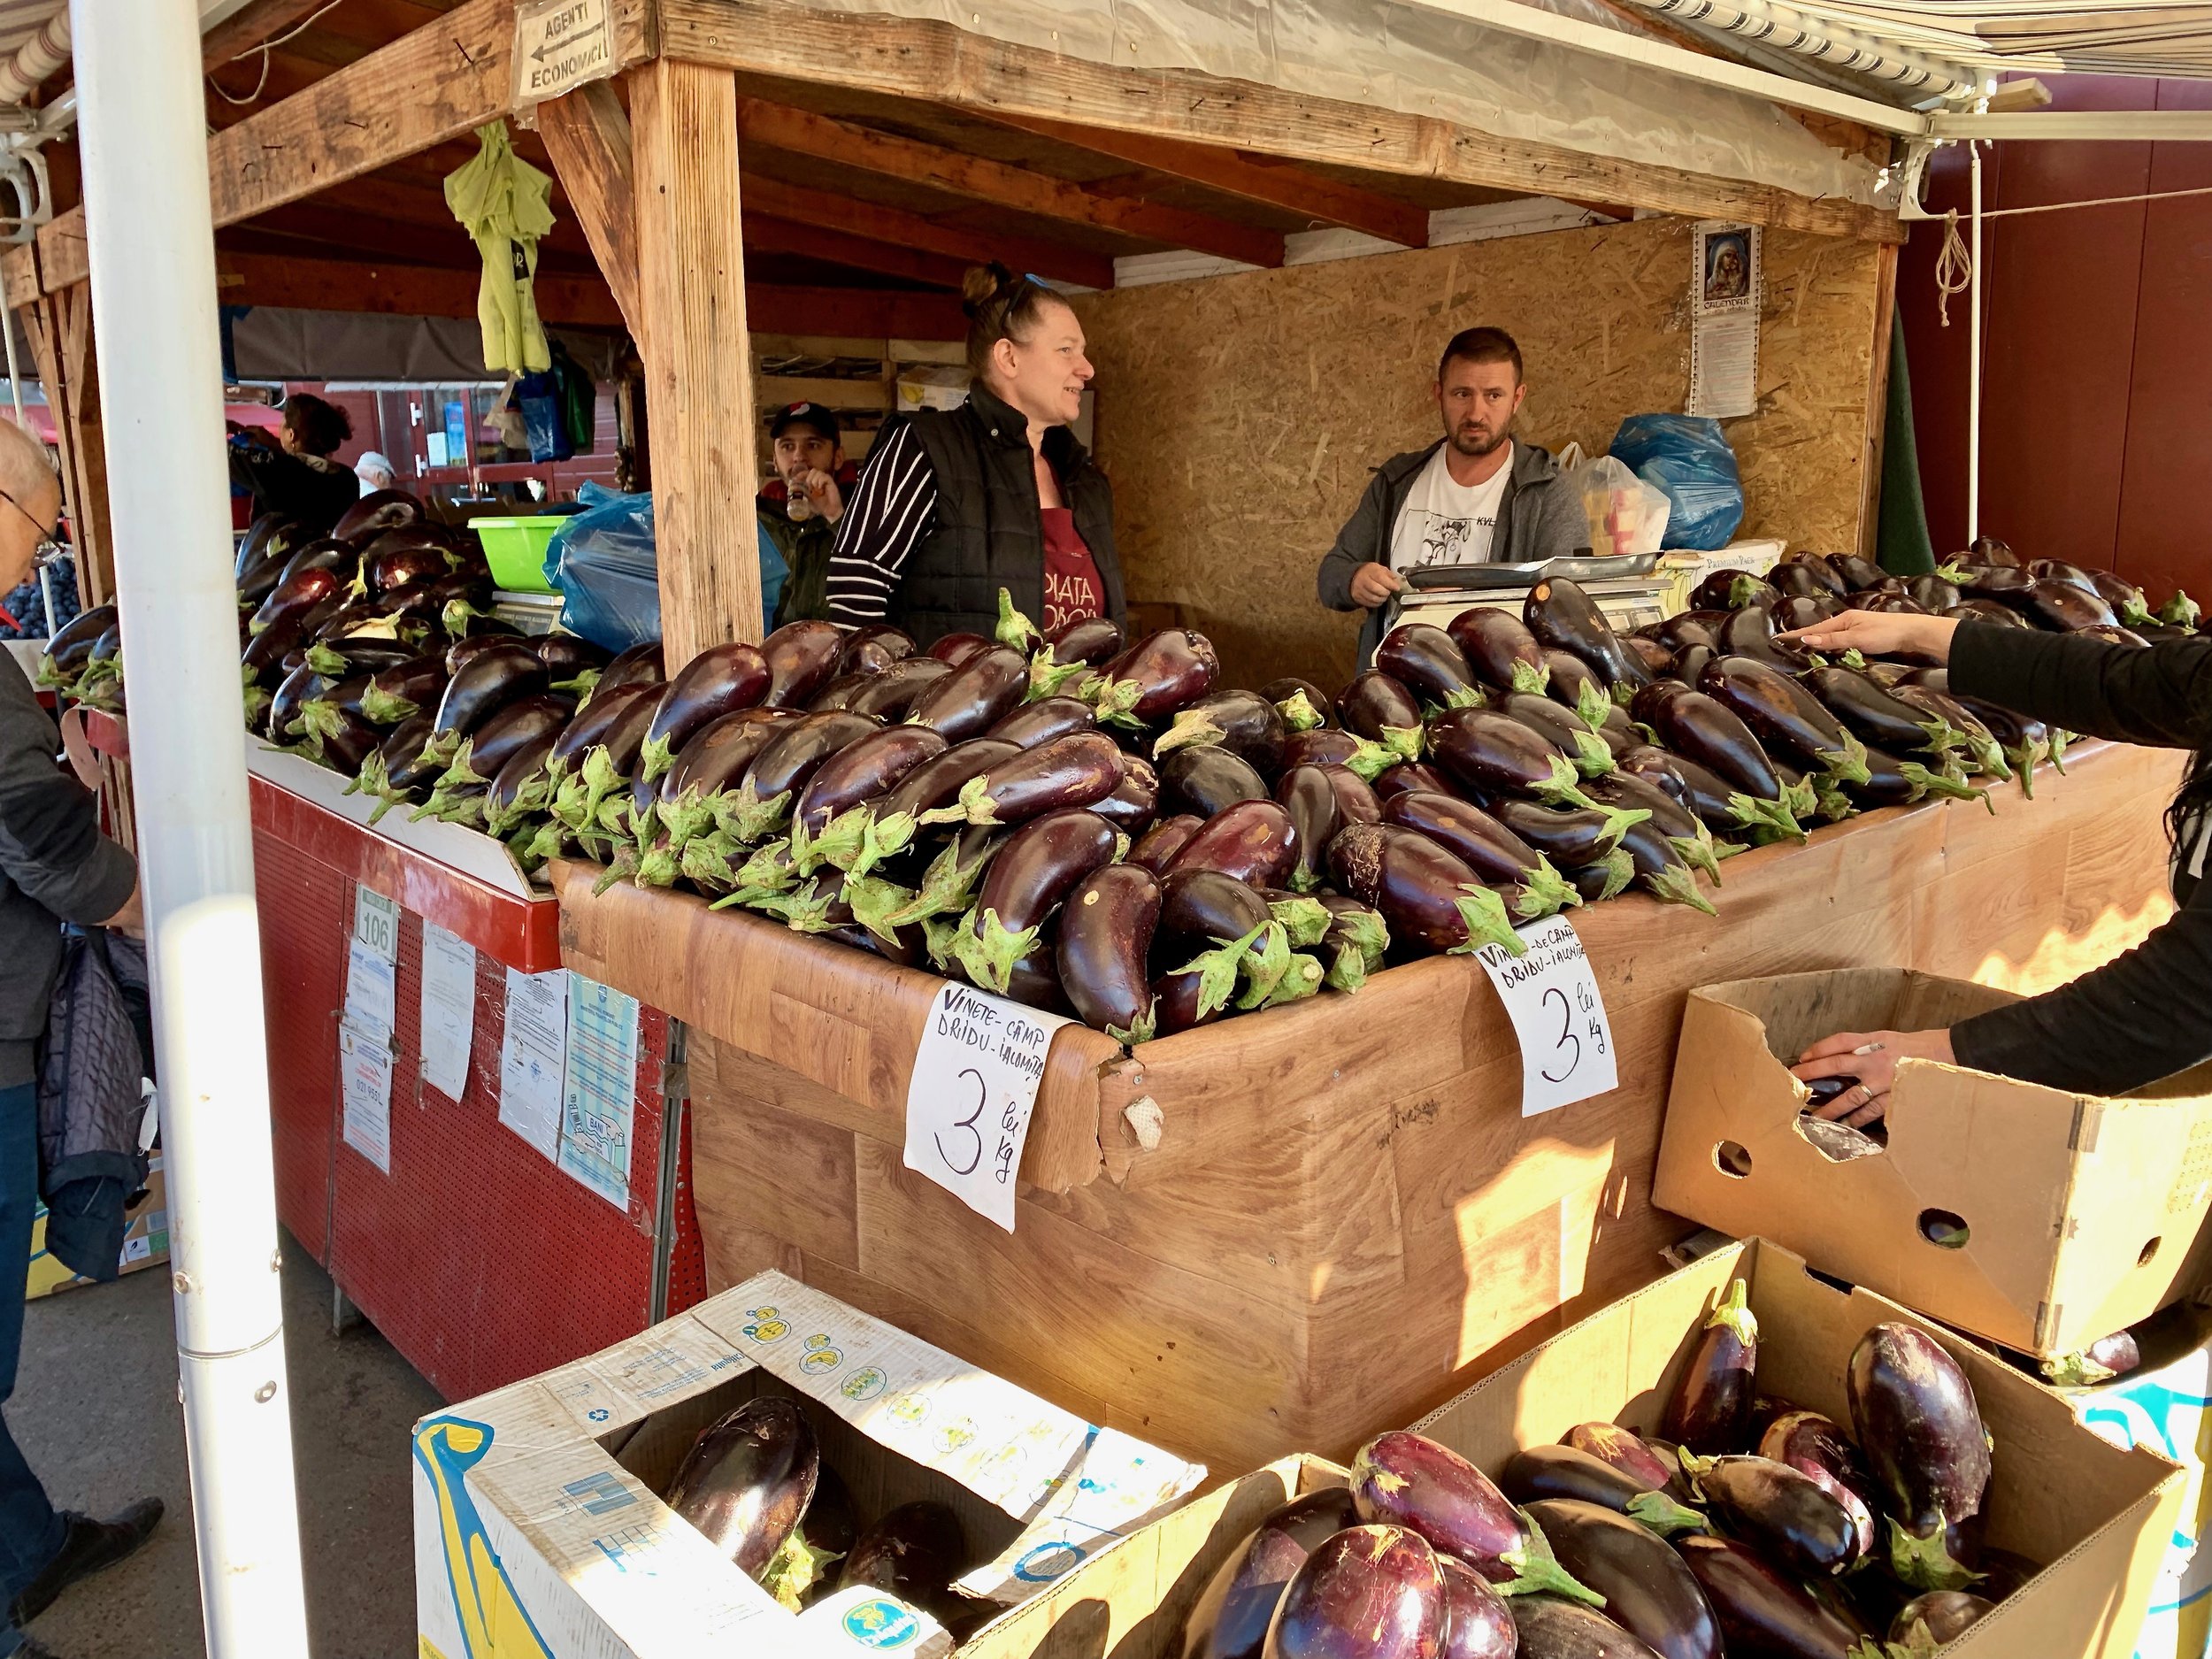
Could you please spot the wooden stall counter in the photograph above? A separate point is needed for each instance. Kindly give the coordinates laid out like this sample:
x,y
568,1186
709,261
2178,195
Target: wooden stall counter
x,y
1344,1218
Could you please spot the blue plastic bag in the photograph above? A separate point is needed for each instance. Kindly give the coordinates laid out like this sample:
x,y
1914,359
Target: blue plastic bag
x,y
543,418
1687,457
603,562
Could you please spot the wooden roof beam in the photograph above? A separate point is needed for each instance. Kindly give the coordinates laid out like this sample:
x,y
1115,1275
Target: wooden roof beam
x,y
1269,180
766,235
801,131
803,205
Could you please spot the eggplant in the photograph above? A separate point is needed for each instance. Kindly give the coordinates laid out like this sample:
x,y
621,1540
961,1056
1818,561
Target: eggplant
x,y
378,511
1401,1479
1499,648
399,557
1808,574
346,744
1893,782
2061,606
914,1553
1658,867
1941,1616
1547,1627
1355,942
1751,634
394,692
1859,575
1380,709
1647,1590
1763,1613
1784,714
1135,801
939,781
639,665
839,693
1476,1622
1798,611
1306,794
1577,840
296,596
1428,662
769,788
1688,664
801,657
271,534
1704,731
591,725
1394,781
1532,888
1987,611
1933,703
1155,676
1624,1450
1562,1471
1657,660
1201,909
1684,831
293,694
1358,801
1711,1407
1564,618
1105,941
1817,1449
1253,841
1992,549
891,695
486,683
1573,683
1186,998
1563,729
341,658
1089,639
341,558
1067,772
493,742
1039,722
1205,781
2107,1358
1877,716
1424,891
718,680
1156,848
1914,1413
872,649
1365,1592
976,695
1498,755
573,662
1039,865
1781,1511
398,768
748,1479
1244,723
1730,589
952,649
519,787
836,815
1328,746
1301,705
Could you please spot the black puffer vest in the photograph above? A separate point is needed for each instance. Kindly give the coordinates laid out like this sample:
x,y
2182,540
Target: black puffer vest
x,y
987,532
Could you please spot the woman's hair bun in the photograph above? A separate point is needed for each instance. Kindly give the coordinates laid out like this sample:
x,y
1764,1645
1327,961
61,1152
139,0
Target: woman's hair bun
x,y
983,283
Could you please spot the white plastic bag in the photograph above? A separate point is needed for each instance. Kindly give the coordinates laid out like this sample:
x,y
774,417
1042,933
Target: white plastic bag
x,y
1626,515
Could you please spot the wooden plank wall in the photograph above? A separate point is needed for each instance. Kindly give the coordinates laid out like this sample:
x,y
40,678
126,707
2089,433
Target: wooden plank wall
x,y
1238,416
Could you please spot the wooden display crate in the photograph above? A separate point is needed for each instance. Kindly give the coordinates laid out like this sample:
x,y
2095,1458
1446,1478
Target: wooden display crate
x,y
1346,1218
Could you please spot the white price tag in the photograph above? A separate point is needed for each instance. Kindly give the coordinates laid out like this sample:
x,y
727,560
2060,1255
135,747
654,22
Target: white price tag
x,y
976,1074
560,44
1552,998
376,922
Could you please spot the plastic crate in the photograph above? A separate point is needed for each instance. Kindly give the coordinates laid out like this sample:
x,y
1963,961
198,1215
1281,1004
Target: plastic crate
x,y
515,548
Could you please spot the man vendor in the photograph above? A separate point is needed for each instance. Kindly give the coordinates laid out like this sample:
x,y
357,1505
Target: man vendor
x,y
1476,495
799,509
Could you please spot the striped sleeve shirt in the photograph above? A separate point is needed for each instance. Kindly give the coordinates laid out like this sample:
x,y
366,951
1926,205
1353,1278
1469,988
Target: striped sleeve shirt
x,y
891,510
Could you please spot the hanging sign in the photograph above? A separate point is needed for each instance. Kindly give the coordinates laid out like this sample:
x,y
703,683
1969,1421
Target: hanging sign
x,y
559,45
976,1075
1551,996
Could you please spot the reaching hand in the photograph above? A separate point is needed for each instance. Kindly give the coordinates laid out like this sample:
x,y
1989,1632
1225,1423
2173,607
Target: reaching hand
x,y
1878,634
1871,1056
1373,584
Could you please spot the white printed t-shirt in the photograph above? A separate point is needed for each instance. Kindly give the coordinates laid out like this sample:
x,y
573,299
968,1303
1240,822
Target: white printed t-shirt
x,y
1443,522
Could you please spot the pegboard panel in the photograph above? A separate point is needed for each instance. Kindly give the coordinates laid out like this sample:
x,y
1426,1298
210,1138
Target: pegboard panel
x,y
305,911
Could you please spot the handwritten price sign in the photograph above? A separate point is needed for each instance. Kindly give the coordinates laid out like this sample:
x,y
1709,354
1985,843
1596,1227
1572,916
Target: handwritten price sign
x,y
1552,997
976,1075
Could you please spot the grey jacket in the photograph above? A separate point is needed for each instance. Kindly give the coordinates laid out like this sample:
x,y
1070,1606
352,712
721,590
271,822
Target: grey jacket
x,y
1538,518
55,867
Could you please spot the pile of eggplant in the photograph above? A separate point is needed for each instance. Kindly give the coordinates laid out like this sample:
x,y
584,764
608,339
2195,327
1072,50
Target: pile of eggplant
x,y
1756,1530
754,1485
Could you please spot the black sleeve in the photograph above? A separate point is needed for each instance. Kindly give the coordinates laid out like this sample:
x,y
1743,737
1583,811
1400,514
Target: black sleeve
x,y
2160,696
51,845
1365,540
892,509
2143,1015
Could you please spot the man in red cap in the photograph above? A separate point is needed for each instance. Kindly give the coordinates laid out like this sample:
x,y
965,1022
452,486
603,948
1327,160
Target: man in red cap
x,y
800,507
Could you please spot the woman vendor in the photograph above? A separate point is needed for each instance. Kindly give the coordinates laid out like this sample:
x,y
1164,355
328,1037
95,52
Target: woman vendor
x,y
2147,1014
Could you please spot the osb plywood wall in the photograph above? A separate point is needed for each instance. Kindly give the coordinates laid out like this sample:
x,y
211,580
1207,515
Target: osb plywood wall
x,y
1238,416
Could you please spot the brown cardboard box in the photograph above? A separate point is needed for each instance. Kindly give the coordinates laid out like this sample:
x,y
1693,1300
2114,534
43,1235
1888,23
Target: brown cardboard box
x,y
2037,1218
2098,1516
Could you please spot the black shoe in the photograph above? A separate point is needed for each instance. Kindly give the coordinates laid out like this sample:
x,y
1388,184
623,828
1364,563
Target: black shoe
x,y
90,1547
34,1648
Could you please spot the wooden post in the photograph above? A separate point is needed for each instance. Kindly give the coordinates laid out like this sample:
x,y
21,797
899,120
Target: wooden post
x,y
587,136
60,329
698,369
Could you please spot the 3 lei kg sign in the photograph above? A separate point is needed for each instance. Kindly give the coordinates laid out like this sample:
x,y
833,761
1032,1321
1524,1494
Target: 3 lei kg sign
x,y
976,1074
1552,997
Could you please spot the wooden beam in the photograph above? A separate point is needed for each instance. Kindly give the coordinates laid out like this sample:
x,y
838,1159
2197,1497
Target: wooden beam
x,y
778,391
913,57
768,235
788,308
59,328
587,136
802,132
698,370
247,28
802,205
1267,181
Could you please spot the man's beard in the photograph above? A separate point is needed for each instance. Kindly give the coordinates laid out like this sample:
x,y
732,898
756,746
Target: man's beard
x,y
1472,445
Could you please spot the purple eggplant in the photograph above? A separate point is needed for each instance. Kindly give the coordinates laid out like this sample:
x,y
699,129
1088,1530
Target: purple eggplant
x,y
1205,781
1156,848
1684,830
1547,1627
1429,662
1647,1590
1200,909
1916,1423
1328,746
1577,840
1306,794
915,1552
1243,723
1253,841
1763,1613
1935,703
1498,755
801,659
1425,893
1877,716
407,555
1562,1471
891,695
485,683
397,771
1808,575
1105,941
640,665
1656,659
938,781
573,662
1067,772
1398,779
1476,1622
1859,575
518,789
1186,998
1817,1449
285,720
1623,1449
1135,801
395,692
1355,943
269,535
295,596
872,650
1784,714
1401,1479
1751,634
492,744
1728,590
1040,864
1155,676
953,649
1528,883
2061,606
1383,710
1706,730
341,558
772,783
1357,801
378,511
1039,722
1365,1592
747,1481
1710,1411
1658,867
1563,729
837,819
341,659
839,693
1564,618
1301,705
1089,639
718,680
1780,1511
344,744
976,695
1939,1616
1798,611
1499,649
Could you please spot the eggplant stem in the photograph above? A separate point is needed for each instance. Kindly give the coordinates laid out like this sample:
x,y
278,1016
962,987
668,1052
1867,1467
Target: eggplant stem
x,y
1618,822
1593,758
1368,931
1192,728
1305,920
656,757
1675,885
1371,760
1697,852
1563,790
1466,698
1263,965
1487,924
1217,970
624,861
1298,713
1533,679
874,900
1303,979
989,949
2024,759
1732,1313
1045,677
1014,628
1663,1515
1404,741
1552,890
1846,764
1537,1571
1924,1562
973,805
1140,1029
1347,970
1592,704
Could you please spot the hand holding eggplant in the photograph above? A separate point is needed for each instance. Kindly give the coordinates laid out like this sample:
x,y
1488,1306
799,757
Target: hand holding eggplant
x,y
1871,1058
1878,634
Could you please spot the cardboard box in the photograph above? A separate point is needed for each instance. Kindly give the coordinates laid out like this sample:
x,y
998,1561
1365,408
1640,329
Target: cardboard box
x,y
2097,1518
145,1243
2037,1218
539,1532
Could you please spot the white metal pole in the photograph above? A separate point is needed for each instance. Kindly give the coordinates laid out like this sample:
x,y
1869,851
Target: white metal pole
x,y
152,250
1974,352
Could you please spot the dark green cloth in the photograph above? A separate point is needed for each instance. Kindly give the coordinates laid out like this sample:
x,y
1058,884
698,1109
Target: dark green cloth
x,y
806,549
1900,536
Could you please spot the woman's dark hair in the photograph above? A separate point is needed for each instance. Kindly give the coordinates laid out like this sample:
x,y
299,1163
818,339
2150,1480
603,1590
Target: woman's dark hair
x,y
320,426
1000,306
2192,803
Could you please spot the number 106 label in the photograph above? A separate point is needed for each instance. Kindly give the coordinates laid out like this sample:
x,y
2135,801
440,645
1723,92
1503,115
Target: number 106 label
x,y
977,1071
1552,997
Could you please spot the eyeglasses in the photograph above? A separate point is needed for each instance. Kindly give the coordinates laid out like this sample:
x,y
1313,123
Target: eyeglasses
x,y
50,546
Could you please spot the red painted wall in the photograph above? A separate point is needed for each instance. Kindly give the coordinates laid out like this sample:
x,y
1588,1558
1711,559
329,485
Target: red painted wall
x,y
2097,371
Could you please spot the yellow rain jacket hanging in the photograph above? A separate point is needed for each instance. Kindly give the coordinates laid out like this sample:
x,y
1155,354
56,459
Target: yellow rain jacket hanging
x,y
504,203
